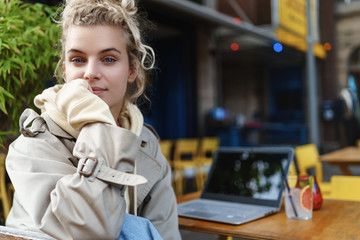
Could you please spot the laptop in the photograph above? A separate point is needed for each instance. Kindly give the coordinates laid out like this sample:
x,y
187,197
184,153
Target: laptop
x,y
243,184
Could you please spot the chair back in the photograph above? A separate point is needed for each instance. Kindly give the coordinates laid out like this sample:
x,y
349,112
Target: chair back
x,y
166,149
186,149
307,156
208,147
186,158
292,169
345,187
3,189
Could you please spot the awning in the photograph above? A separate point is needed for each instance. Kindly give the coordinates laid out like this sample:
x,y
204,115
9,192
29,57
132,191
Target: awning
x,y
201,12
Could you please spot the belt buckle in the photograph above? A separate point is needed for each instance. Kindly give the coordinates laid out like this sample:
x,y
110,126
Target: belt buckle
x,y
84,165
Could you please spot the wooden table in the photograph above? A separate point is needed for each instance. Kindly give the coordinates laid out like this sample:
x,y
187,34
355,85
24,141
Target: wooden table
x,y
335,220
7,233
343,158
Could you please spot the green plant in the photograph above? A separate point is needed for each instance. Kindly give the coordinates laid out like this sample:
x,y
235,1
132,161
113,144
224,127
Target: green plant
x,y
28,57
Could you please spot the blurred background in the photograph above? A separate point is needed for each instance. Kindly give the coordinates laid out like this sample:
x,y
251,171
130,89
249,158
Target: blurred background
x,y
241,70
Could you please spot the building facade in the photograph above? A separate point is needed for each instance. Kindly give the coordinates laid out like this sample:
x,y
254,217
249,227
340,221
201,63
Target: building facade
x,y
238,70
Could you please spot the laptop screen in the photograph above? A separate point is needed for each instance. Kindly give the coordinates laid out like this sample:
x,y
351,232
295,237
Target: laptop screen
x,y
250,175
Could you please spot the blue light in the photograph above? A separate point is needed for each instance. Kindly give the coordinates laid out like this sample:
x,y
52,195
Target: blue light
x,y
219,113
278,47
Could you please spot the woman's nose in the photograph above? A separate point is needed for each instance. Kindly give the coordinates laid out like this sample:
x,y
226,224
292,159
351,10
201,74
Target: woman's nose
x,y
92,71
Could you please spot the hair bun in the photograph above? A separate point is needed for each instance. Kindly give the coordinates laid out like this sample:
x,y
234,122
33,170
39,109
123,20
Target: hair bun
x,y
129,6
124,3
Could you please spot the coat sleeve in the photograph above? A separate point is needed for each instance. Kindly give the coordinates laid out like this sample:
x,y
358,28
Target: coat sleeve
x,y
58,200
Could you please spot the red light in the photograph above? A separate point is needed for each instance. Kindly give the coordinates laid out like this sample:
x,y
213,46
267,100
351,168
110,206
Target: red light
x,y
237,20
234,47
327,46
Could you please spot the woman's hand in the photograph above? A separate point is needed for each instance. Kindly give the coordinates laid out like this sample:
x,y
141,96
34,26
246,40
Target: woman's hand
x,y
77,101
74,105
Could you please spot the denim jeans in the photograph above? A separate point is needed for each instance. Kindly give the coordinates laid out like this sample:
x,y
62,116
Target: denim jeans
x,y
138,228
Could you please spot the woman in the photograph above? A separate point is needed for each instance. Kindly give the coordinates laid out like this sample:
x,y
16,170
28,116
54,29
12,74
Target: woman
x,y
89,159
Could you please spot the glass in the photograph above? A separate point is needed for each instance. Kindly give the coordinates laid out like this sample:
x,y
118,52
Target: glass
x,y
299,197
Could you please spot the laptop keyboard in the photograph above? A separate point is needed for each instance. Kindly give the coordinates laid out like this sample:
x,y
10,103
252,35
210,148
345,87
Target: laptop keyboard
x,y
214,208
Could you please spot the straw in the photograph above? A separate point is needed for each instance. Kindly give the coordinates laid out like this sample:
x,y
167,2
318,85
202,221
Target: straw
x,y
288,189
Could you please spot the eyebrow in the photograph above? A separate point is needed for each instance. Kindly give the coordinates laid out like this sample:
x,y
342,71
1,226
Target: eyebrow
x,y
102,51
109,50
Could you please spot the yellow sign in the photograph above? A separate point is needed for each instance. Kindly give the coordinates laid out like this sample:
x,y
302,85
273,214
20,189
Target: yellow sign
x,y
292,28
293,17
300,43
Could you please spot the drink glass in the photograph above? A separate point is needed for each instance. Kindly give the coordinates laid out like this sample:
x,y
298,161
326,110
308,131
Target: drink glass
x,y
299,197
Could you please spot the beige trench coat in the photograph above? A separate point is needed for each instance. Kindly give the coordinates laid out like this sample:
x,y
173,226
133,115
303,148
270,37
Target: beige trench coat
x,y
52,197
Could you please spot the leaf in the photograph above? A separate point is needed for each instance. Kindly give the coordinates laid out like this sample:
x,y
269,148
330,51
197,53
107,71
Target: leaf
x,y
27,38
41,32
6,45
17,81
4,74
311,182
6,93
4,133
2,104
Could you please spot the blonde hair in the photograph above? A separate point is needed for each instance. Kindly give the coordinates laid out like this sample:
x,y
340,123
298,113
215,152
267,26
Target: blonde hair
x,y
122,13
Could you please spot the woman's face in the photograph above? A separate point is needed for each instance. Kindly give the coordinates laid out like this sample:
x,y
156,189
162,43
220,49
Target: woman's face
x,y
98,54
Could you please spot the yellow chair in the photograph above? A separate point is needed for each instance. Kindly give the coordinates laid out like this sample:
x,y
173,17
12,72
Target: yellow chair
x,y
186,157
208,146
166,149
10,192
3,187
307,156
292,169
345,188
358,142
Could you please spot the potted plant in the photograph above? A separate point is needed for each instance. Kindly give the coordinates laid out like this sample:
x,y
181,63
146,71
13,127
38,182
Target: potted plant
x,y
28,57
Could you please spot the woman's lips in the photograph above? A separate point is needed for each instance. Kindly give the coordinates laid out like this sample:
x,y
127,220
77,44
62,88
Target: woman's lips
x,y
98,90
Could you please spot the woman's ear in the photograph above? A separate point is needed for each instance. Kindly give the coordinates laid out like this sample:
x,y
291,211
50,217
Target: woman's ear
x,y
132,75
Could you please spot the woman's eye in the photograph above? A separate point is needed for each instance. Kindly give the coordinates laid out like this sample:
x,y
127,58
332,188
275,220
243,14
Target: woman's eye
x,y
109,60
77,60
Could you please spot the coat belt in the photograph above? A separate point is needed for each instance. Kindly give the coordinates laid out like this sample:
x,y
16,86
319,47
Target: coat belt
x,y
92,168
